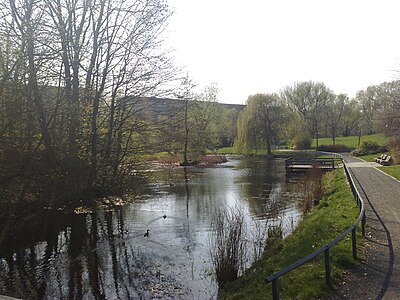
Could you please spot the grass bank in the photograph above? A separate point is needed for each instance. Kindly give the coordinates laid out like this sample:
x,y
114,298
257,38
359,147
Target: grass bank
x,y
371,157
392,170
336,212
352,141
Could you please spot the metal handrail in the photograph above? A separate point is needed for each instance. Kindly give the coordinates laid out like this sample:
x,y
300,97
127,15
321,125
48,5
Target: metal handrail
x,y
325,249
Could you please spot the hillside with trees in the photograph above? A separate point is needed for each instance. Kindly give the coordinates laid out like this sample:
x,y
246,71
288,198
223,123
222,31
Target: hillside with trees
x,y
307,111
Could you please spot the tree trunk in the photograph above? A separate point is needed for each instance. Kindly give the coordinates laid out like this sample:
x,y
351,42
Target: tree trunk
x,y
185,149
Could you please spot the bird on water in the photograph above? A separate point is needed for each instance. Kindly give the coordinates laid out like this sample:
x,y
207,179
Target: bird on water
x,y
147,233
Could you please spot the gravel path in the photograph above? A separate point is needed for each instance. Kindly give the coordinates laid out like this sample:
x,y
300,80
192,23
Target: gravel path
x,y
378,276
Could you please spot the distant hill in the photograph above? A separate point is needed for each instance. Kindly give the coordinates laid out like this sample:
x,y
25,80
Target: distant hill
x,y
153,107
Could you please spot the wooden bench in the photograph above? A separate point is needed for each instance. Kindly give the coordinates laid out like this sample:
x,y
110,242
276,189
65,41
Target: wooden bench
x,y
382,156
387,161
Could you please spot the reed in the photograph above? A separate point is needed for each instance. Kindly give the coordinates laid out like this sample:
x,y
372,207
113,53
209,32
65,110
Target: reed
x,y
228,244
312,189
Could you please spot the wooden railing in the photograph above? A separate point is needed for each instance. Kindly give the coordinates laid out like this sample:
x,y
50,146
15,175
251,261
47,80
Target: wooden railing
x,y
305,162
274,278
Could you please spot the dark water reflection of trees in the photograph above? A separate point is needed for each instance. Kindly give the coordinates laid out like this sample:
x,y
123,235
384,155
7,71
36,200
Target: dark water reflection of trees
x,y
104,255
79,257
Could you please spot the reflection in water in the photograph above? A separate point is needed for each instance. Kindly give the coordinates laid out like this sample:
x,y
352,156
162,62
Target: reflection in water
x,y
105,255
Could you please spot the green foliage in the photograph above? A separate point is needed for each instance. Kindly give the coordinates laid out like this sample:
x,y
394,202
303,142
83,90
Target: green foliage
x,y
226,127
301,141
261,125
368,147
297,133
336,212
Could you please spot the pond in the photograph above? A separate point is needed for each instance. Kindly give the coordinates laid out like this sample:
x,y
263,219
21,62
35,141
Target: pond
x,y
106,255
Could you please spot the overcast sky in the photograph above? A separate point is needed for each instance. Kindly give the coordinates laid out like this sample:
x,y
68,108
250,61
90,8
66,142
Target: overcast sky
x,y
261,46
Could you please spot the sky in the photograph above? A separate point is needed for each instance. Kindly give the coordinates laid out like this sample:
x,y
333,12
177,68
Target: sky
x,y
261,46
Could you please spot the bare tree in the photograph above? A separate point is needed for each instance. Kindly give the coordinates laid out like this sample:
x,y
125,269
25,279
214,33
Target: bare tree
x,y
309,100
351,117
334,112
75,62
186,94
369,104
203,117
114,46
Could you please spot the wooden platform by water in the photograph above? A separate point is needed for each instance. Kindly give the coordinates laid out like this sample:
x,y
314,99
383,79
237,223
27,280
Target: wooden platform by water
x,y
303,164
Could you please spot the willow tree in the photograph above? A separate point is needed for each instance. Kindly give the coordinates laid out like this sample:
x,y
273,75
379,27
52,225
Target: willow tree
x,y
261,124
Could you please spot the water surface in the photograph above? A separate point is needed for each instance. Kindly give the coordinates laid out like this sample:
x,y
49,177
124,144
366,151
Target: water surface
x,y
105,255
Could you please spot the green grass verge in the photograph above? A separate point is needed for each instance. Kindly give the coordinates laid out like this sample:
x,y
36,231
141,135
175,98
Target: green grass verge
x,y
392,170
352,141
336,212
227,150
371,157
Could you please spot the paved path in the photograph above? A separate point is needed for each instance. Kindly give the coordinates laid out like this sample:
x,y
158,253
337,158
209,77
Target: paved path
x,y
378,277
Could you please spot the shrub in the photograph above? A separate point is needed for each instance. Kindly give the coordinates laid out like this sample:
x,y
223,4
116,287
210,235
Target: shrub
x,y
334,148
213,159
301,142
275,231
394,146
369,147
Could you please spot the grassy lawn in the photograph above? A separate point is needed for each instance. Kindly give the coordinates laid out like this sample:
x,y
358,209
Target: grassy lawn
x,y
371,157
336,212
283,152
352,141
349,141
227,150
392,170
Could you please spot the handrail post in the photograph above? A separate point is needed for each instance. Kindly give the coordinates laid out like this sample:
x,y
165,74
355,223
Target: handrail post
x,y
354,242
275,290
327,268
